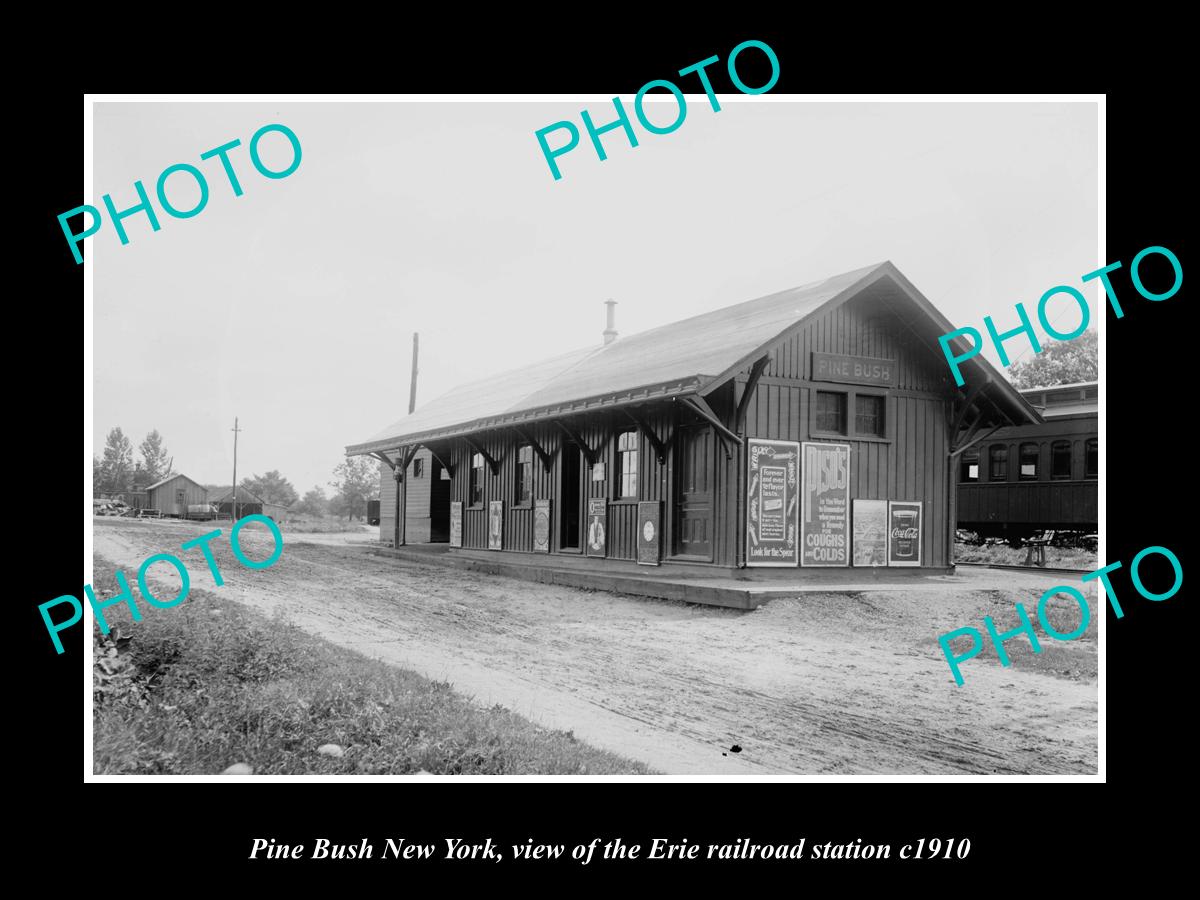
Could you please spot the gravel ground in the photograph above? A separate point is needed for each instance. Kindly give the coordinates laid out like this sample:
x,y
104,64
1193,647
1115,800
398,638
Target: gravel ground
x,y
824,683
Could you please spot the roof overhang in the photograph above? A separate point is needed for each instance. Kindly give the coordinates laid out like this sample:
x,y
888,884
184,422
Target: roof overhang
x,y
632,397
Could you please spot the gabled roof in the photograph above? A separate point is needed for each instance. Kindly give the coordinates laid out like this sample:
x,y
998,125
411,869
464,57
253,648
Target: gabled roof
x,y
691,356
171,478
244,493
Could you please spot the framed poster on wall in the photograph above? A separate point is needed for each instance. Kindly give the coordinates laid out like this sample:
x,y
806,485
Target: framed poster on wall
x,y
597,521
496,525
825,504
870,532
541,526
904,533
772,502
456,508
649,533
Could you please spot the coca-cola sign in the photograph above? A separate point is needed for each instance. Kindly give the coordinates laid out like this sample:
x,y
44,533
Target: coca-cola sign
x,y
904,533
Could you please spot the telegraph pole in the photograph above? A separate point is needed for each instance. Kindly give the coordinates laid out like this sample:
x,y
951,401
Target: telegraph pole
x,y
412,386
233,505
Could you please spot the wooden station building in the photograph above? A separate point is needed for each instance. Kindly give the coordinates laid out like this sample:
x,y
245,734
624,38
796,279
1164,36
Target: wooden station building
x,y
815,428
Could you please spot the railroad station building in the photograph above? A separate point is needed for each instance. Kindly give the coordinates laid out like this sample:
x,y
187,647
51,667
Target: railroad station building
x,y
815,429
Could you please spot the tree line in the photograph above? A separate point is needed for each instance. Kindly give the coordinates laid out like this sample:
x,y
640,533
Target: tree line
x,y
355,481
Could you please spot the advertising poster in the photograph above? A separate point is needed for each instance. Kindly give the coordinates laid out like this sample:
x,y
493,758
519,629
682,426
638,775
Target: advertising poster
x,y
541,526
596,521
772,503
870,532
825,505
904,533
649,518
496,525
456,523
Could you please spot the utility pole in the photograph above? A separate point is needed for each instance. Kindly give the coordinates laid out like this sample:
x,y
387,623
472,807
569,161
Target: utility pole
x,y
412,386
233,506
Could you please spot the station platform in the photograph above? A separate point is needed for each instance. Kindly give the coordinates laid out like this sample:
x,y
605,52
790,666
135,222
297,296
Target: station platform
x,y
690,583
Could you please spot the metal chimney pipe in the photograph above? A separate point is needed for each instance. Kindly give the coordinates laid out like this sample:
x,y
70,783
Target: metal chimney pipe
x,y
610,333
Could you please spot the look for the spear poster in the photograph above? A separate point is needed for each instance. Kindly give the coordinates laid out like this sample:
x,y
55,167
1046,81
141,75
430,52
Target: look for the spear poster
x,y
772,497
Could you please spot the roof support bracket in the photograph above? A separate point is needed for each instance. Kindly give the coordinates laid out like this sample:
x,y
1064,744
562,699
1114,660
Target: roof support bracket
x,y
982,437
967,404
751,384
478,448
537,448
639,420
731,439
573,433
383,458
435,455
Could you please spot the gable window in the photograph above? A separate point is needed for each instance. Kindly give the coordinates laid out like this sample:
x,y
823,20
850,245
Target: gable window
x,y
627,464
998,463
1029,462
524,486
969,467
831,412
868,415
475,488
1092,464
418,468
1060,459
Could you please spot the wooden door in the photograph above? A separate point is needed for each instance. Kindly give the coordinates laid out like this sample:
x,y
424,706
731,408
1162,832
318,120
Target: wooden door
x,y
695,467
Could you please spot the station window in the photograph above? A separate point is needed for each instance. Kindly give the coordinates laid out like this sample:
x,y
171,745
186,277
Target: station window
x,y
1060,459
475,489
998,463
969,467
868,415
627,464
830,412
1029,462
1092,469
418,468
524,484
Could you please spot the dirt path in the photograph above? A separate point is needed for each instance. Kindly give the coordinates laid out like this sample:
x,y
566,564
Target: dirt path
x,y
822,684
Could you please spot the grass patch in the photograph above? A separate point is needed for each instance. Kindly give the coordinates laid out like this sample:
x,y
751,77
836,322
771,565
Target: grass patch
x,y
1002,554
202,686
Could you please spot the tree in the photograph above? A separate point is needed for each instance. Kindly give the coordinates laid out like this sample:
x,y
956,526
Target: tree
x,y
272,488
117,463
97,475
156,464
1060,362
356,481
315,503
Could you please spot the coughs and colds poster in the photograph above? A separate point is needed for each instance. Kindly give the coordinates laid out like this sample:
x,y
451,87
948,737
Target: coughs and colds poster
x,y
904,533
597,516
456,523
772,501
825,505
870,532
496,525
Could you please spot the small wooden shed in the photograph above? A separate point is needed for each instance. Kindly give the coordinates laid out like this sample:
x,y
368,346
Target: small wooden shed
x,y
174,494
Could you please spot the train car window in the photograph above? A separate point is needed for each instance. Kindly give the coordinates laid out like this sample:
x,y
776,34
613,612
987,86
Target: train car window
x,y
831,412
868,415
1093,459
969,470
1060,459
1029,462
998,459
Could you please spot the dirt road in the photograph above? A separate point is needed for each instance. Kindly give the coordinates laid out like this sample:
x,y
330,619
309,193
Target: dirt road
x,y
820,684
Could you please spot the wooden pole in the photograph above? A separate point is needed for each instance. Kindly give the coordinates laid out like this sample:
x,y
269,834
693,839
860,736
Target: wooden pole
x,y
412,385
233,500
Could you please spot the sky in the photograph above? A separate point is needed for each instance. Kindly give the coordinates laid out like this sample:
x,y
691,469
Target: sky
x,y
292,307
